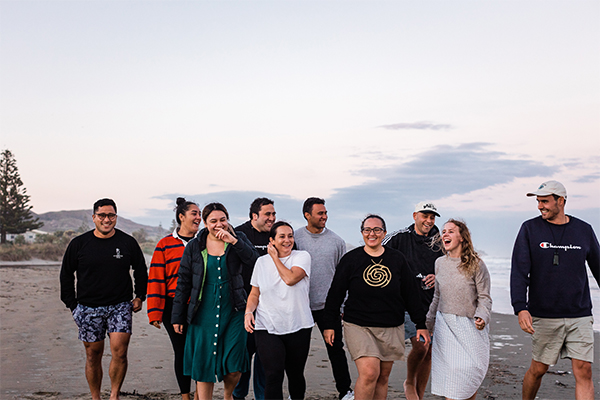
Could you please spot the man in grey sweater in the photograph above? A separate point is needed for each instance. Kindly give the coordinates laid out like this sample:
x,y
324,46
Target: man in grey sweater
x,y
326,249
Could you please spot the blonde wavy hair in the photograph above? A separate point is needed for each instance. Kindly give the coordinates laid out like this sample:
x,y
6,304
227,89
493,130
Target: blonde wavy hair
x,y
469,259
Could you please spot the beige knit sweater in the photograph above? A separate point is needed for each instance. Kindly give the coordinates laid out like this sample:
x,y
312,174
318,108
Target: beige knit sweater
x,y
458,294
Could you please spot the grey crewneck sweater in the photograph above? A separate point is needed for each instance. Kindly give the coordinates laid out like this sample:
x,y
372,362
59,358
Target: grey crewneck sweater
x,y
325,249
458,294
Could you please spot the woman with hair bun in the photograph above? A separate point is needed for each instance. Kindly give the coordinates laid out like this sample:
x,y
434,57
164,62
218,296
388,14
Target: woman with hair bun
x,y
210,278
380,287
460,313
162,282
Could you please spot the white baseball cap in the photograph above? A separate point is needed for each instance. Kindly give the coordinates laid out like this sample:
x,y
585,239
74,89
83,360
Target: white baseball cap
x,y
426,207
550,187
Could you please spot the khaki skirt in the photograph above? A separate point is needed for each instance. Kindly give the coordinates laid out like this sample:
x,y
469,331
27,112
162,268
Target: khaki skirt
x,y
387,344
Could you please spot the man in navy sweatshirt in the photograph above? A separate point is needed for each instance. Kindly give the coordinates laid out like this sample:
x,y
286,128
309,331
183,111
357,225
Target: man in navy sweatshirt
x,y
549,259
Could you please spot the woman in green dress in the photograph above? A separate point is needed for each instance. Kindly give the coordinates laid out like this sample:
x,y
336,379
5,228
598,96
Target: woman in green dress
x,y
210,278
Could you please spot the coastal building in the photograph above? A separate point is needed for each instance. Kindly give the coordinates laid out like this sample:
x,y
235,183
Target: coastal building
x,y
29,235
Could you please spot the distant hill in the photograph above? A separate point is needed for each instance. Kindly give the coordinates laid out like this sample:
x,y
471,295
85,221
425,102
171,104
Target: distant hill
x,y
73,220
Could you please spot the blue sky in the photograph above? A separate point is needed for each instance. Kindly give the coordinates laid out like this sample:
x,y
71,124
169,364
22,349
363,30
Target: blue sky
x,y
373,105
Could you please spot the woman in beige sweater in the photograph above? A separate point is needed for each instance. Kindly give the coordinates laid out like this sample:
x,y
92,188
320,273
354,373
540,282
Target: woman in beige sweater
x,y
460,312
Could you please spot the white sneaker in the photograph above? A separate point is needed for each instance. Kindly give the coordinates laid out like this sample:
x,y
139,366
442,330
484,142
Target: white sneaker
x,y
349,395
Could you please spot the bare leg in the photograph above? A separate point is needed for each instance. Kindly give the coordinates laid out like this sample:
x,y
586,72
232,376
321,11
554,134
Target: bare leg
x,y
205,390
470,398
93,366
584,385
119,343
418,368
368,374
533,379
229,382
381,388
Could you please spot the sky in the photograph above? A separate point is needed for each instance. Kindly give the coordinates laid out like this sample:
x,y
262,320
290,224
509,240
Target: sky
x,y
372,105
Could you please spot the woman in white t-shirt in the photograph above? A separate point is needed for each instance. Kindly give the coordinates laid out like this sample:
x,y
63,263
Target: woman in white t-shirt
x,y
283,321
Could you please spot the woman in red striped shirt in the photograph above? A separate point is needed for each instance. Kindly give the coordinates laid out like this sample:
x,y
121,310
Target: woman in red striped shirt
x,y
162,281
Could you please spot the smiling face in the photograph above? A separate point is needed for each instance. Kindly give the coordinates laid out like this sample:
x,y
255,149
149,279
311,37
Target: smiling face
x,y
216,221
373,233
452,239
424,222
190,221
105,219
317,218
264,220
283,241
552,209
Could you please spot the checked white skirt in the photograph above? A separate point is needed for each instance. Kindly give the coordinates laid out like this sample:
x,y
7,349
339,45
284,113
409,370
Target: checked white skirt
x,y
460,356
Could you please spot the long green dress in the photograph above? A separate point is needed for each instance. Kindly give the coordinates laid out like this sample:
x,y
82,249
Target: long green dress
x,y
216,340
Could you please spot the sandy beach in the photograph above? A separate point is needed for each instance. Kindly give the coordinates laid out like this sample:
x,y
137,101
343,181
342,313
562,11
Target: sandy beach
x,y
43,359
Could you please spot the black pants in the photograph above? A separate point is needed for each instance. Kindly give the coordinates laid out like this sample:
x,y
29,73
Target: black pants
x,y
284,353
178,343
337,355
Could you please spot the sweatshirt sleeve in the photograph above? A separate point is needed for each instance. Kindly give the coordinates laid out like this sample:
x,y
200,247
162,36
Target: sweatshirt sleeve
x,y
67,277
245,250
157,285
412,296
434,304
184,284
484,300
140,272
519,272
593,257
336,294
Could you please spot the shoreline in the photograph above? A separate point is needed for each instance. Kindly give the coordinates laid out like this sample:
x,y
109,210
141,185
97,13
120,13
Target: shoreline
x,y
42,357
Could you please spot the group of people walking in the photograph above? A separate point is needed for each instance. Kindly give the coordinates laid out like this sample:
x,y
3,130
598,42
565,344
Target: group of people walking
x,y
227,294
299,278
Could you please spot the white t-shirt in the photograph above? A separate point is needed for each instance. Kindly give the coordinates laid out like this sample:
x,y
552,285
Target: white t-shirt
x,y
282,309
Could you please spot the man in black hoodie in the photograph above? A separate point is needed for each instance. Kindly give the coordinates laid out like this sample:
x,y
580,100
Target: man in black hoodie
x,y
415,242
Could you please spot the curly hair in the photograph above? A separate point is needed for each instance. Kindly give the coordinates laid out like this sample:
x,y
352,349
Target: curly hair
x,y
469,259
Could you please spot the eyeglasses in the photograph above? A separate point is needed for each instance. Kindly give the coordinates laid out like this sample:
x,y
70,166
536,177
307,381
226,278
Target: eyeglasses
x,y
111,216
376,231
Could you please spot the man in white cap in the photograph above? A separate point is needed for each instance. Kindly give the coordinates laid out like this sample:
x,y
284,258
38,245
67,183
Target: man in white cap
x,y
550,291
415,243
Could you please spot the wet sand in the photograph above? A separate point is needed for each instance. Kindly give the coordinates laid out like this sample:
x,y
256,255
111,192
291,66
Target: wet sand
x,y
41,357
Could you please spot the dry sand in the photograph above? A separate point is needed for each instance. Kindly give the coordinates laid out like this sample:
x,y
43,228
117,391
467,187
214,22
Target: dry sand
x,y
41,357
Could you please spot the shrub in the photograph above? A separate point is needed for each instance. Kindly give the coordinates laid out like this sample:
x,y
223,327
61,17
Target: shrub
x,y
10,252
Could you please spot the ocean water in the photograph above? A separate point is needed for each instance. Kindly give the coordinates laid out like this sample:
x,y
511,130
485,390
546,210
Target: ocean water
x,y
499,268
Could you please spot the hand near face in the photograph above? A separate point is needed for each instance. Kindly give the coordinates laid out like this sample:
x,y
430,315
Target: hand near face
x,y
479,323
225,235
272,251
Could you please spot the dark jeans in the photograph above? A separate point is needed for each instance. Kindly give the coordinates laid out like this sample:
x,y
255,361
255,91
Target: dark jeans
x,y
178,343
336,354
284,353
243,386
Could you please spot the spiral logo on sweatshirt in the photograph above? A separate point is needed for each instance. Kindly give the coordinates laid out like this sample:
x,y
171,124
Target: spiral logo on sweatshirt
x,y
377,275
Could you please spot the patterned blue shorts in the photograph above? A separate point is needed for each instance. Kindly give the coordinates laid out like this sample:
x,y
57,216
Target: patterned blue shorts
x,y
94,322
